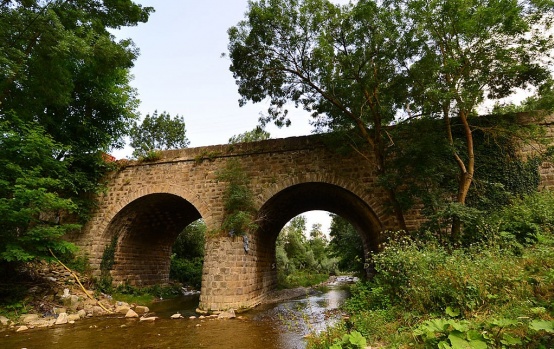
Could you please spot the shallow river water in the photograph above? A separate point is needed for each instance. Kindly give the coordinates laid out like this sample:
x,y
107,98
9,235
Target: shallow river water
x,y
281,325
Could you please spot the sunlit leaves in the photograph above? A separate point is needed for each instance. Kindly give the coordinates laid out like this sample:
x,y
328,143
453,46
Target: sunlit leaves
x,y
158,132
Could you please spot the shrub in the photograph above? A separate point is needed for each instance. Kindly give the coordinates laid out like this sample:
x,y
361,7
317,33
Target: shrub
x,y
187,271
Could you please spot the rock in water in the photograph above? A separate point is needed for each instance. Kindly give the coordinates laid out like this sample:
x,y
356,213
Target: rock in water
x,y
141,310
62,319
229,314
122,309
28,318
177,316
131,314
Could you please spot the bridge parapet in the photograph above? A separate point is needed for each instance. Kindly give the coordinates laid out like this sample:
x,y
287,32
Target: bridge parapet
x,y
147,205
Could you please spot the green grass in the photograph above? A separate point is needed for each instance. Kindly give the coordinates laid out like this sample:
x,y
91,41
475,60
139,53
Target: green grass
x,y
301,278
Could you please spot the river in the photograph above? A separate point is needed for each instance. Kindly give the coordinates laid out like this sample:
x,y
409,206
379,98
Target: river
x,y
280,325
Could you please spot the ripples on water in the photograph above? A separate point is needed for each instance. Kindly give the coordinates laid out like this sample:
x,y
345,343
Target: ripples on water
x,y
282,325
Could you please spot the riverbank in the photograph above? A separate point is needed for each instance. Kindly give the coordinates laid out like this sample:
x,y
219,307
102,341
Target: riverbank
x,y
57,296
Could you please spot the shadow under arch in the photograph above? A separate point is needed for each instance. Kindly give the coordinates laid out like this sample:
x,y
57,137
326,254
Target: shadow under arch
x,y
145,230
299,198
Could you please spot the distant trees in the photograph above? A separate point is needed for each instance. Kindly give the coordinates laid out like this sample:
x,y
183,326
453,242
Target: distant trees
x,y
257,134
187,255
302,261
158,132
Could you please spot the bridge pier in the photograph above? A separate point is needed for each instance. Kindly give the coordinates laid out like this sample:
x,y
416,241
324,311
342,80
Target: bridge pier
x,y
234,278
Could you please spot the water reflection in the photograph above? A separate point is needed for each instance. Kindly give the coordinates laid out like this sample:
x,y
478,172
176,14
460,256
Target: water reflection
x,y
268,327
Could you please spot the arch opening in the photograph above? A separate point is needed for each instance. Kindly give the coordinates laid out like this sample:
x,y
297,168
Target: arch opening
x,y
300,198
146,230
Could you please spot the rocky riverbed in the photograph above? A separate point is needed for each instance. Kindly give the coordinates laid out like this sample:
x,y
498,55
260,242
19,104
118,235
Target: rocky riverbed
x,y
58,297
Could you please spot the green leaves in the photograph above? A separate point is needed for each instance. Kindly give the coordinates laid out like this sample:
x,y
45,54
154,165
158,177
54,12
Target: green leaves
x,y
352,340
239,201
31,194
455,334
158,132
542,325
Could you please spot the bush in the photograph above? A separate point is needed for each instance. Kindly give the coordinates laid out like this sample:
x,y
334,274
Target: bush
x,y
187,271
300,278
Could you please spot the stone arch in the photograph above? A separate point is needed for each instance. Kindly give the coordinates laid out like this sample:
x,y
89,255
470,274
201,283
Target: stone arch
x,y
145,224
294,199
371,198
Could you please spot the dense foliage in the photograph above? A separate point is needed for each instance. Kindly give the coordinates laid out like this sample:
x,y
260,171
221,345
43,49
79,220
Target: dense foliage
x,y
346,246
158,132
64,98
425,171
32,184
303,261
493,294
187,255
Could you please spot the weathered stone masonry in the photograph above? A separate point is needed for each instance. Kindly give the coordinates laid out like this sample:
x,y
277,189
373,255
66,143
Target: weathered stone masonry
x,y
148,204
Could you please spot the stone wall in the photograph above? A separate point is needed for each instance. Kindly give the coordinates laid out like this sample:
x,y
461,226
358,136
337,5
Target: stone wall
x,y
148,204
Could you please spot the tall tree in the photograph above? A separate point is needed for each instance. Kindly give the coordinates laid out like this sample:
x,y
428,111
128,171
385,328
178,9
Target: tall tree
x,y
64,98
61,67
339,63
158,132
471,50
346,244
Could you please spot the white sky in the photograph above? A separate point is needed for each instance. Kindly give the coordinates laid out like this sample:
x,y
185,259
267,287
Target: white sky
x,y
180,70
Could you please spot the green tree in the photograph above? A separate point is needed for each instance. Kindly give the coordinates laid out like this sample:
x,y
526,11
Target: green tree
x,y
257,134
339,63
293,239
318,244
158,132
188,255
346,245
64,98
31,207
468,51
61,68
190,243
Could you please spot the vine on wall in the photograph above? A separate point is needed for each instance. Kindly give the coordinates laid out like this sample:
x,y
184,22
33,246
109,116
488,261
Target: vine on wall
x,y
238,200
106,265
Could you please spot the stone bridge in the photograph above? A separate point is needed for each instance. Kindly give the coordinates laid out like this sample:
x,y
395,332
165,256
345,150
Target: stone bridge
x,y
148,204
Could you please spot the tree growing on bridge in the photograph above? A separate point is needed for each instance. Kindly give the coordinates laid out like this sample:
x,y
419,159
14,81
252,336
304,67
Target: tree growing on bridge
x,y
158,132
339,63
363,66
467,51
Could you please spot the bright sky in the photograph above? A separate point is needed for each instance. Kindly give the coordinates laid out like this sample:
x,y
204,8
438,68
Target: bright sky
x,y
180,70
